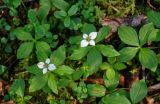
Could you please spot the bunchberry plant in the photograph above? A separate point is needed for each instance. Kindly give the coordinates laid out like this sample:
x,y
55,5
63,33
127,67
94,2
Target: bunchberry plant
x,y
58,52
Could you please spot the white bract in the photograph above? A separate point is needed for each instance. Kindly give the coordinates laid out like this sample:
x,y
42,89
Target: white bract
x,y
88,39
45,66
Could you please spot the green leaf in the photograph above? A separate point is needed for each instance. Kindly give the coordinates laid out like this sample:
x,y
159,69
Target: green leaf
x,y
103,33
16,3
111,83
158,56
41,55
42,46
18,87
148,58
32,16
105,66
52,83
43,11
73,10
59,55
60,14
34,70
25,50
154,35
108,50
41,31
158,36
94,59
2,69
62,70
127,54
76,75
128,35
110,73
96,90
154,17
67,21
79,53
88,28
119,66
75,39
115,99
60,4
138,91
37,83
22,35
144,33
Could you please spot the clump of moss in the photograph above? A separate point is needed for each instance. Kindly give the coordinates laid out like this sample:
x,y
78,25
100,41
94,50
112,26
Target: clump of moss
x,y
121,8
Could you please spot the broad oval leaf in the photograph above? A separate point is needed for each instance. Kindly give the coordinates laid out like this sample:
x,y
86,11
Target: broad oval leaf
x,y
52,84
60,14
127,54
145,32
41,55
37,83
96,90
108,50
138,91
115,99
43,11
34,70
24,50
22,35
148,59
75,39
67,21
32,16
128,35
110,73
154,17
111,83
154,35
42,46
94,59
60,4
18,87
119,66
62,70
73,10
79,53
59,55
88,28
103,33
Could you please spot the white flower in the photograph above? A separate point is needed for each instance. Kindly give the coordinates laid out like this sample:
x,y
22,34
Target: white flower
x,y
88,39
45,66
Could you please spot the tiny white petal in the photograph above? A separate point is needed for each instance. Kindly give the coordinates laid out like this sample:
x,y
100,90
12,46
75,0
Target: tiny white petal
x,y
51,67
92,42
84,43
41,65
93,35
85,36
47,61
44,70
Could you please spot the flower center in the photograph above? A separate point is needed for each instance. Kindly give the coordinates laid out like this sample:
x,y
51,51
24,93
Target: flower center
x,y
88,38
46,66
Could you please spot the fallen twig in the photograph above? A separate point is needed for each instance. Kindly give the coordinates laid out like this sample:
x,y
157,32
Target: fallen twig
x,y
154,87
150,5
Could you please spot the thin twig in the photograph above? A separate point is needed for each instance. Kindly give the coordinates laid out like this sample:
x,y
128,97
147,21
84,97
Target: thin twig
x,y
150,5
10,58
4,6
154,87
